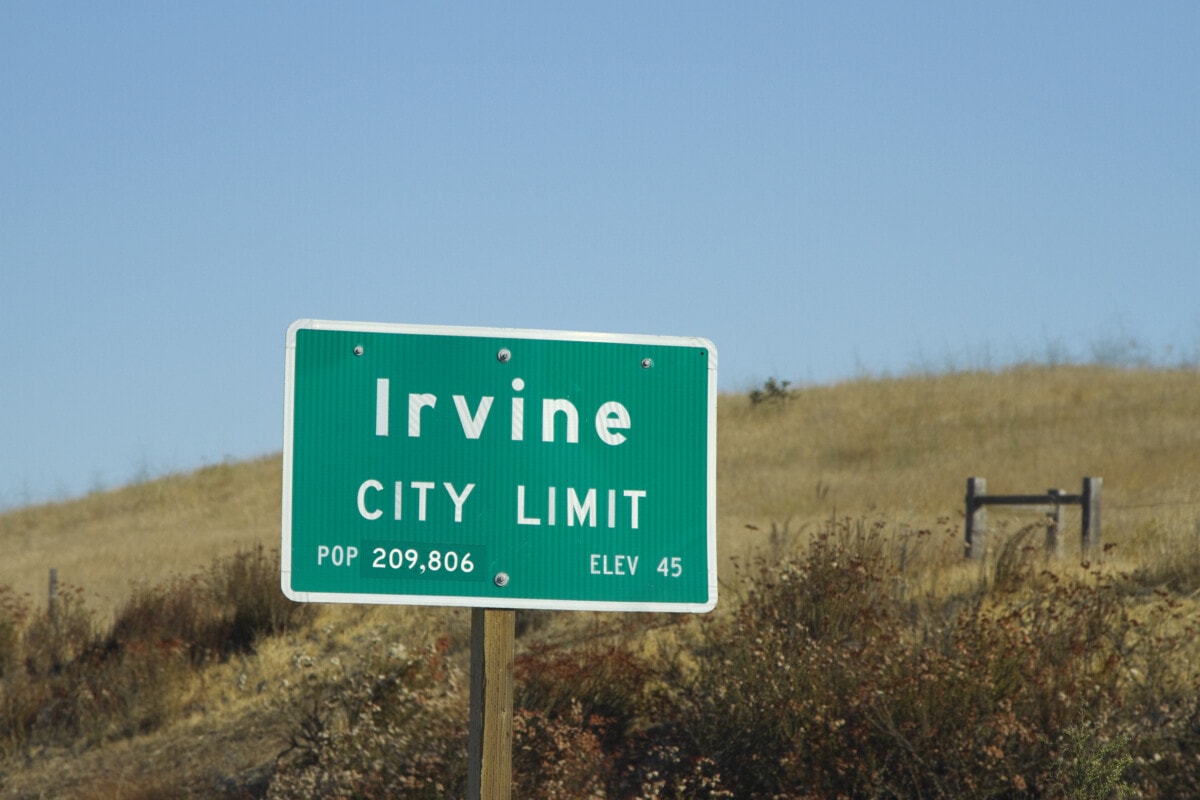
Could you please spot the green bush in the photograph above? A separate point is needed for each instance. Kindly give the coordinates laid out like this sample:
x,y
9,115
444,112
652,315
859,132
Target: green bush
x,y
1088,768
772,391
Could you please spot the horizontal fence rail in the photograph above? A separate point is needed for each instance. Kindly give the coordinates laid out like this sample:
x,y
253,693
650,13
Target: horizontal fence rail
x,y
1088,500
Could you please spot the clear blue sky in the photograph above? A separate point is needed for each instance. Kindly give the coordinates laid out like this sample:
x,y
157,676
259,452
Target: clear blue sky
x,y
825,190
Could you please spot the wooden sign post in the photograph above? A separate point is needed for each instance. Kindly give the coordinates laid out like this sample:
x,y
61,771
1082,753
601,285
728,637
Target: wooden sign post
x,y
489,747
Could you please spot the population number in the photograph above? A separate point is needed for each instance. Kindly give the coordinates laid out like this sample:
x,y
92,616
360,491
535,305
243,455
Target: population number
x,y
410,559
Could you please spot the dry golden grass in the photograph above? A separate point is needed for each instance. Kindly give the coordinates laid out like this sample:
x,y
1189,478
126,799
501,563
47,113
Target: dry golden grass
x,y
147,532
905,447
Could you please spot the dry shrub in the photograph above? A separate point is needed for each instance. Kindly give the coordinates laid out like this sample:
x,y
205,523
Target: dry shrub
x,y
246,588
50,641
214,614
558,756
604,679
397,726
71,688
827,679
63,680
776,673
581,728
394,726
668,770
180,611
12,619
1018,559
819,684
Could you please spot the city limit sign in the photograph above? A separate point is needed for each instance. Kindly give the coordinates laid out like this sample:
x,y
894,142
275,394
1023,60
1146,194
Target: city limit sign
x,y
499,468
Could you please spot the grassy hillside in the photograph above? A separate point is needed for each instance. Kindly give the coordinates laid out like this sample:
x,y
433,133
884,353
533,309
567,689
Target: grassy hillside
x,y
874,464
899,447
107,541
907,445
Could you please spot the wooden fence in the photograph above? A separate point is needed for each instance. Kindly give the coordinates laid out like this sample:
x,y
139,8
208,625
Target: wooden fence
x,y
1089,500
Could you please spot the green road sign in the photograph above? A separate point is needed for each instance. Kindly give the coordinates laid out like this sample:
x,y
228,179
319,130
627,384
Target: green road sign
x,y
499,468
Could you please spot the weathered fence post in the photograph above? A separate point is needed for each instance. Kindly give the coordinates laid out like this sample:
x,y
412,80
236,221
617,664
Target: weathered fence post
x,y
976,517
1091,515
1089,500
1054,527
52,597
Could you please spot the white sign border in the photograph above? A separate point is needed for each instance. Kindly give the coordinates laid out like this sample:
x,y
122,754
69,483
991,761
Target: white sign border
x,y
551,604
